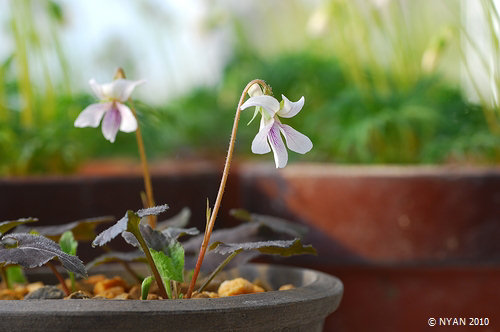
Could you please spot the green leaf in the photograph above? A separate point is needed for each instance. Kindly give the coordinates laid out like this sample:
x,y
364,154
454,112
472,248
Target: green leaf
x,y
170,264
15,274
146,284
68,243
8,225
280,247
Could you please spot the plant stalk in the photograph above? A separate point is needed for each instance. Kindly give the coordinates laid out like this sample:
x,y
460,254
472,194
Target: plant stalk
x,y
152,265
145,169
210,226
120,73
217,270
60,278
5,277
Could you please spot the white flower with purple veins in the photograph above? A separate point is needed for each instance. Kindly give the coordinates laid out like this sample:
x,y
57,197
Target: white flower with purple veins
x,y
117,116
269,136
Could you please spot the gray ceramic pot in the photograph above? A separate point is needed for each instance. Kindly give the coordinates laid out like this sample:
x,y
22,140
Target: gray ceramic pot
x,y
301,309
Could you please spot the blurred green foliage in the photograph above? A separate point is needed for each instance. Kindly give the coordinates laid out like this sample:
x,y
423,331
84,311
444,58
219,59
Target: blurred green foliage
x,y
362,105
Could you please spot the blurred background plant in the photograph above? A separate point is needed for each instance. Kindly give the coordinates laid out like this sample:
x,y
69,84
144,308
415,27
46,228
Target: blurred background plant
x,y
382,78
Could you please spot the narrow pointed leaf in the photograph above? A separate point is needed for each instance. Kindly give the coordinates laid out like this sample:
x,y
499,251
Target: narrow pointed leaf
x,y
5,226
146,284
280,247
31,251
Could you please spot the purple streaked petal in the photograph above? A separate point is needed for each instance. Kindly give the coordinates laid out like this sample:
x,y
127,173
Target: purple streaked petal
x,y
291,108
268,103
91,116
111,124
129,122
259,143
120,89
97,89
295,140
278,147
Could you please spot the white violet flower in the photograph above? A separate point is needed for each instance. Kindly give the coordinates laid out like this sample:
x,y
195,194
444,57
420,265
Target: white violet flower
x,y
269,136
117,116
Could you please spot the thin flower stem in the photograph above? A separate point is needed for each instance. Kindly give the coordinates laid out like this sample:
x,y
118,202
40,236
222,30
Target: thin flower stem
x,y
60,278
145,168
210,226
120,73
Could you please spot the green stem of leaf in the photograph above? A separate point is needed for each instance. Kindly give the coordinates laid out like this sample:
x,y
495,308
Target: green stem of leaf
x,y
159,281
210,226
5,278
73,284
217,270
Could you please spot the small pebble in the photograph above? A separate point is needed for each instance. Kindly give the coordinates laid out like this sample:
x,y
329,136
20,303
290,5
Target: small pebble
x,y
45,293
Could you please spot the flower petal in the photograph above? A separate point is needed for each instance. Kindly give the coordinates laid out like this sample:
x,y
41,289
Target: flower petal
x,y
129,122
295,140
111,124
120,89
255,90
268,103
291,108
278,147
259,143
92,115
97,89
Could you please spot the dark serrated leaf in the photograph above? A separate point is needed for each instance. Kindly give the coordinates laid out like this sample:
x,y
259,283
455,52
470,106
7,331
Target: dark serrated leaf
x,y
83,230
176,233
277,224
112,232
132,256
280,247
5,226
152,211
180,220
35,250
158,240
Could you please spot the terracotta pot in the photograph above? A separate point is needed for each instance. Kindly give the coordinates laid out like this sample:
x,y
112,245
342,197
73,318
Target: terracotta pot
x,y
301,309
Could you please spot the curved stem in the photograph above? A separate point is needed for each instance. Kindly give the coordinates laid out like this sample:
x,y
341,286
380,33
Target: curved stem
x,y
120,73
210,226
145,168
60,278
